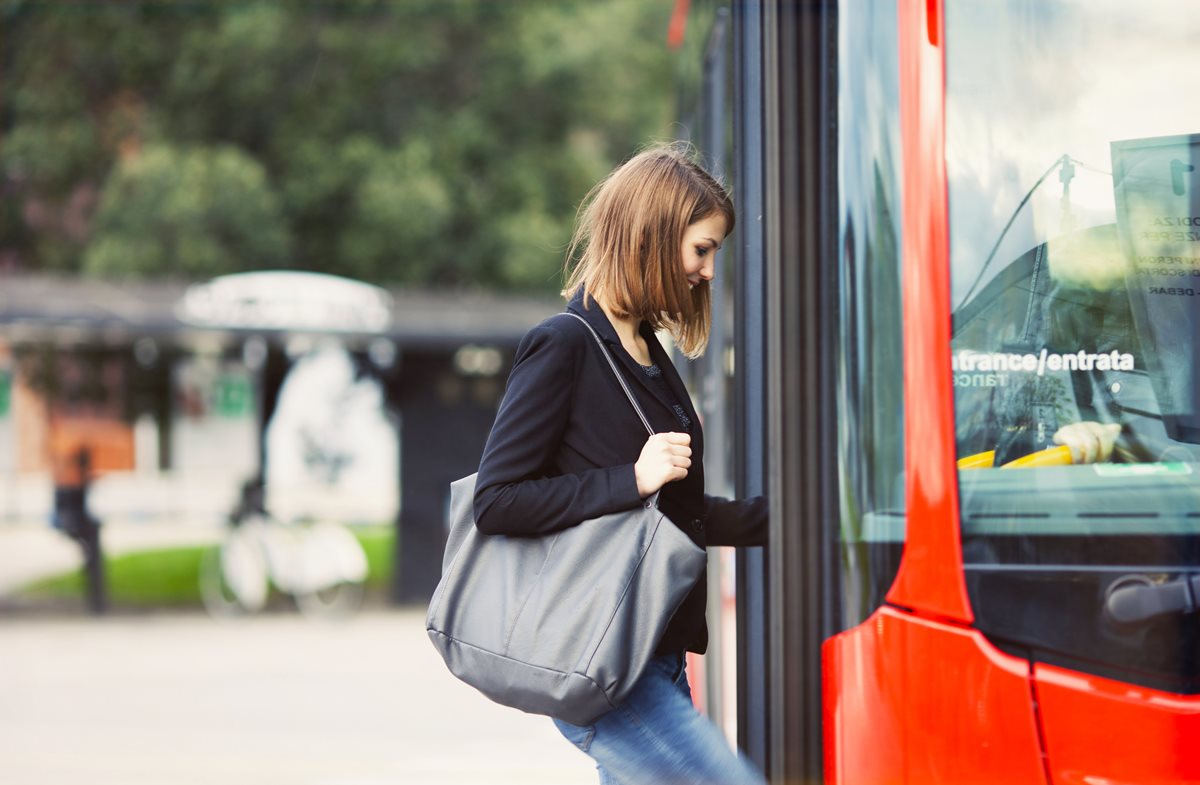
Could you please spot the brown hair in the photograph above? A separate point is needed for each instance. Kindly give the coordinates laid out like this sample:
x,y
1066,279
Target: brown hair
x,y
628,239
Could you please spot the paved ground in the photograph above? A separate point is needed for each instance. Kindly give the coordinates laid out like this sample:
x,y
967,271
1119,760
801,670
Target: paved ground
x,y
184,700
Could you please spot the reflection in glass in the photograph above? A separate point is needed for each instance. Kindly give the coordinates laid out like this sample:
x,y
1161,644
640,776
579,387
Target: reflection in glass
x,y
1068,146
870,363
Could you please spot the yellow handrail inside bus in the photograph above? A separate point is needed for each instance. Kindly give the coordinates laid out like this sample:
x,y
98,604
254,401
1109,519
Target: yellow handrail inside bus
x,y
980,460
1055,456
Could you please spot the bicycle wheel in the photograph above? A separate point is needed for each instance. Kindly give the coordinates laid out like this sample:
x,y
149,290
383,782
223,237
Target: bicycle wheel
x,y
334,569
233,576
337,601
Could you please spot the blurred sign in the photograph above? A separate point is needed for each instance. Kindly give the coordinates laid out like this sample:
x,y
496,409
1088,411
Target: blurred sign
x,y
287,300
5,392
331,449
214,430
107,442
232,396
1156,183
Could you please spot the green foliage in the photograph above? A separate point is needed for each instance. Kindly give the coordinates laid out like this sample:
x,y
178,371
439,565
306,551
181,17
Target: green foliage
x,y
401,203
422,142
198,213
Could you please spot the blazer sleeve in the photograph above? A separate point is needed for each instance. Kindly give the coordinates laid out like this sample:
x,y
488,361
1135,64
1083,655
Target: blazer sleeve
x,y
517,491
740,522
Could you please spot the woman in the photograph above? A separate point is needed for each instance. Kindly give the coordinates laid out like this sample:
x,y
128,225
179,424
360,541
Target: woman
x,y
567,446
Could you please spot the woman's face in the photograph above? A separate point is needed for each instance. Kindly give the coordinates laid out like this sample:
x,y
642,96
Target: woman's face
x,y
700,243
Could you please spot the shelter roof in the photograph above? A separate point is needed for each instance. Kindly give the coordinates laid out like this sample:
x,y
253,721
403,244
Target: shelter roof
x,y
90,310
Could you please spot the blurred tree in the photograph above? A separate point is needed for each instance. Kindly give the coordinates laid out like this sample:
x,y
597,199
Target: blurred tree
x,y
197,213
436,142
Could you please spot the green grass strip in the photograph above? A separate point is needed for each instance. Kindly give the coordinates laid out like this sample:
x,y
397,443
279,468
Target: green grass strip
x,y
170,577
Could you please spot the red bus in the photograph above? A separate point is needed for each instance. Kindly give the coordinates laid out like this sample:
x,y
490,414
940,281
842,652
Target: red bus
x,y
957,346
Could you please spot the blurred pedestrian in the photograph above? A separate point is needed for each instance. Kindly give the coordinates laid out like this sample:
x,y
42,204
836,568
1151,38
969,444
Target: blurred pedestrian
x,y
567,447
72,482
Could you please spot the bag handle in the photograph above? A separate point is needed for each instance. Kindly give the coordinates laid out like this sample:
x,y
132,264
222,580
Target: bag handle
x,y
617,373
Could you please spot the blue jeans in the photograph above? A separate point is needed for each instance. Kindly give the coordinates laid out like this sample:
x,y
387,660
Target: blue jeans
x,y
655,736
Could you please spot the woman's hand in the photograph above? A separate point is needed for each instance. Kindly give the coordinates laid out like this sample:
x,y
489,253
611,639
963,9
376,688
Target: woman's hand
x,y
1090,442
665,458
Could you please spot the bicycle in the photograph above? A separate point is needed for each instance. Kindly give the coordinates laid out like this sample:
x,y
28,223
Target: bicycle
x,y
320,564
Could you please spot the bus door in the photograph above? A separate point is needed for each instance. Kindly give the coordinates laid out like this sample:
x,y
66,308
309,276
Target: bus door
x,y
1074,245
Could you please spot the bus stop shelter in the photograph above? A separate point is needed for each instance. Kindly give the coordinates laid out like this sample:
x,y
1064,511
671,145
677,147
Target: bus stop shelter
x,y
177,379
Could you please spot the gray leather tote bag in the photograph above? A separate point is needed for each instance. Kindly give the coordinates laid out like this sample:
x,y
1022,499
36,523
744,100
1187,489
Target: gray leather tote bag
x,y
563,624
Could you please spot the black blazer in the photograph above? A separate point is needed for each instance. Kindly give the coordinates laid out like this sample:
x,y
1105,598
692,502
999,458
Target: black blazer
x,y
564,444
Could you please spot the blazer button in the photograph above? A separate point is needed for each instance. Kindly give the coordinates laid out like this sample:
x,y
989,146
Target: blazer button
x,y
697,525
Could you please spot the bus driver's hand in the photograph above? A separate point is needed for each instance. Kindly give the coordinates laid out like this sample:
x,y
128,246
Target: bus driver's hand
x,y
665,458
1090,442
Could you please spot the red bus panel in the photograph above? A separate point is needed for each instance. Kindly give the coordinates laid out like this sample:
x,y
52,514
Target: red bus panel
x,y
1103,731
921,701
930,579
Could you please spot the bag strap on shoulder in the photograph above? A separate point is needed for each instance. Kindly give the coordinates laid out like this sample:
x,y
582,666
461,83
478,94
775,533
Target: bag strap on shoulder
x,y
616,372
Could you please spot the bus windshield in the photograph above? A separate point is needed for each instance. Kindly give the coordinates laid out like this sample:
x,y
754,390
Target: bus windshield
x,y
1072,149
